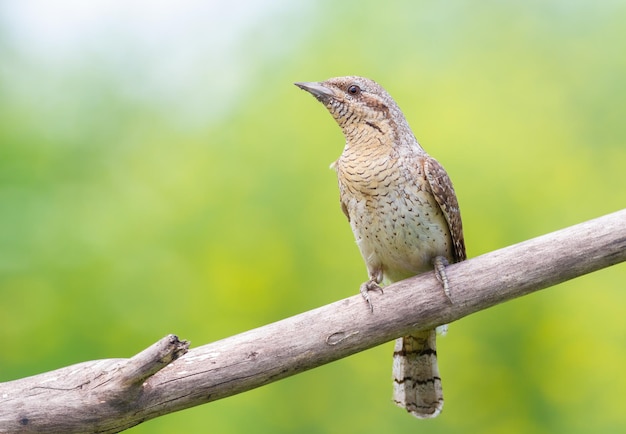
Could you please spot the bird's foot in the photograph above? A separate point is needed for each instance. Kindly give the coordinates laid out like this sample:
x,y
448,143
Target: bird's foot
x,y
368,286
440,264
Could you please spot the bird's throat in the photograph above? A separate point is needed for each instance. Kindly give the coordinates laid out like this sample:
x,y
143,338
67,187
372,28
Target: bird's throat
x,y
369,140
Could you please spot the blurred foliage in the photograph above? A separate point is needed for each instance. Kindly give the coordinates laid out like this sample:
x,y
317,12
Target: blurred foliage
x,y
140,196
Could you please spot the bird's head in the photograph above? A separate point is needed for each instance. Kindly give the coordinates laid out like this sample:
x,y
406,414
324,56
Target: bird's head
x,y
351,99
358,102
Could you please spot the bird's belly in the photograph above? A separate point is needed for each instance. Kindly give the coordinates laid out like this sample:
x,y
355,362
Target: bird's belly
x,y
402,235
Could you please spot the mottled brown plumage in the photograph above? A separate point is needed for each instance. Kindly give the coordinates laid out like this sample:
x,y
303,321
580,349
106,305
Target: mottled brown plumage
x,y
403,212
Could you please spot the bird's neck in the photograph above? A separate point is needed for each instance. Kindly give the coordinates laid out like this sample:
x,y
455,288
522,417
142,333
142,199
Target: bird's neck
x,y
380,138
373,138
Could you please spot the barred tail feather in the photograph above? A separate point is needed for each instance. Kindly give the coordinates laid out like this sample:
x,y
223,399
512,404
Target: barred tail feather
x,y
416,381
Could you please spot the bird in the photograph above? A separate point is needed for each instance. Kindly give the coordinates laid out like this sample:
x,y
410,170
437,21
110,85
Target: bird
x,y
404,214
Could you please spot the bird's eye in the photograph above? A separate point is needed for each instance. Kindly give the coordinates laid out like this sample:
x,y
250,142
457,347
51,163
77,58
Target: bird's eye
x,y
354,89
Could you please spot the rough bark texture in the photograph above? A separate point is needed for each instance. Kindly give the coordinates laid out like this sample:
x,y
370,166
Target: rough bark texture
x,y
107,396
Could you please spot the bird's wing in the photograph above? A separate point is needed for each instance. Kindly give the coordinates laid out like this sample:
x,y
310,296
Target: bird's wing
x,y
441,187
344,208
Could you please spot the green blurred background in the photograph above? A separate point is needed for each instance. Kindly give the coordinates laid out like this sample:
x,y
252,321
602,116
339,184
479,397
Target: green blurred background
x,y
159,173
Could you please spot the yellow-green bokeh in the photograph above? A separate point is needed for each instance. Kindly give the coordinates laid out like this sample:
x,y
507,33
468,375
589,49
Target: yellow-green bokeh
x,y
145,193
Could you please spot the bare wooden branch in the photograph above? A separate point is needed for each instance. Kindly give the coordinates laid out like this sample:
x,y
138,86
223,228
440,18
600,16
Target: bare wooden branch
x,y
111,395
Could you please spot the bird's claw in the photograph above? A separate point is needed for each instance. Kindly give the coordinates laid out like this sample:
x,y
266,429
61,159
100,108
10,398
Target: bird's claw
x,y
440,264
366,287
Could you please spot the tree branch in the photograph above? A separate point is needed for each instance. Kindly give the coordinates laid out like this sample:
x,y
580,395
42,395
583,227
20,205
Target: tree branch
x,y
112,395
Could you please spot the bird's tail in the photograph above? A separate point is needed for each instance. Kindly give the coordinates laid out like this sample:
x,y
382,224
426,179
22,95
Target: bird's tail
x,y
416,381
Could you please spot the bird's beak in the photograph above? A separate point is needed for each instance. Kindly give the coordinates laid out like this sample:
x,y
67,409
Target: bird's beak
x,y
318,90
